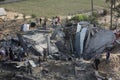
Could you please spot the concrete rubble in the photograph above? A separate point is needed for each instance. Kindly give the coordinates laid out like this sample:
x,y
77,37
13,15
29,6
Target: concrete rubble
x,y
91,41
43,54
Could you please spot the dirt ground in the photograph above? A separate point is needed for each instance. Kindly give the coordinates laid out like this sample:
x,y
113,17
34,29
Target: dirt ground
x,y
112,68
10,28
9,25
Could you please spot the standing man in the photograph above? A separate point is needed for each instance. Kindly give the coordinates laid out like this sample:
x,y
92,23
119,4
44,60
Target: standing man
x,y
96,62
30,70
40,20
45,22
108,55
37,21
53,21
59,20
11,54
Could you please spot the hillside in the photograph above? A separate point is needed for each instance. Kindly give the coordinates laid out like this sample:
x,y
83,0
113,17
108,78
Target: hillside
x,y
53,7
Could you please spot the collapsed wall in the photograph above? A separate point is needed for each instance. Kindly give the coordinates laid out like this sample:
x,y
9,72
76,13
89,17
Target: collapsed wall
x,y
92,41
41,41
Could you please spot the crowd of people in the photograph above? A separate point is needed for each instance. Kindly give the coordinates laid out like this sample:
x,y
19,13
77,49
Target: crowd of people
x,y
56,20
44,21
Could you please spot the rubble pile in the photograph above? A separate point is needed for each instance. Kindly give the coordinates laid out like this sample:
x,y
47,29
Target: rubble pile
x,y
56,52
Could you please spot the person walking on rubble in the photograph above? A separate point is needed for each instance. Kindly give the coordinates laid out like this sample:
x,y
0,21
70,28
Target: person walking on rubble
x,y
96,63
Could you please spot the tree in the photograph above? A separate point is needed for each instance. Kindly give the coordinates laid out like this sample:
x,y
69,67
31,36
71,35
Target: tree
x,y
92,6
112,5
113,1
117,9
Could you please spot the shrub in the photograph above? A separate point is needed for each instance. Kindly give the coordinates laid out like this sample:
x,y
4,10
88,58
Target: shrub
x,y
93,19
80,17
33,16
96,14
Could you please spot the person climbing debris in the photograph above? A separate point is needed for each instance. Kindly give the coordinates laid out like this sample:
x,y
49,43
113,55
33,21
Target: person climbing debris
x,y
96,62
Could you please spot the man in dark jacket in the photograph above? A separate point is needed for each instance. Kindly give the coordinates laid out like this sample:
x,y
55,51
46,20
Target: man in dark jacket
x,y
96,62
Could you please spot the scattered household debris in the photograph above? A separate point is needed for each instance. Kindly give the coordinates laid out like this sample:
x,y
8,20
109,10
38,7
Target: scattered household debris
x,y
42,49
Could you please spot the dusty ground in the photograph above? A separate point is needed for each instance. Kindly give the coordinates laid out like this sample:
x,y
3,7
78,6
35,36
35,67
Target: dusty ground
x,y
67,70
111,69
105,21
56,70
10,28
9,25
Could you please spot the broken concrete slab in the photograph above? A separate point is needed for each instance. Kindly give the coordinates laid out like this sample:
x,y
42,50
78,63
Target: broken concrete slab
x,y
100,41
41,41
92,41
